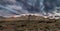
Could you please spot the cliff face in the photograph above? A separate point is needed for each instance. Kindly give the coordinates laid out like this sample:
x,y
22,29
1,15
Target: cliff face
x,y
29,23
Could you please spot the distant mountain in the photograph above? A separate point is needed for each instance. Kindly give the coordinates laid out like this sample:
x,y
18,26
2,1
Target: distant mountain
x,y
29,17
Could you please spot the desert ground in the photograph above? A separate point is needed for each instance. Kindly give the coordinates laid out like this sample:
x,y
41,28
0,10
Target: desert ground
x,y
29,23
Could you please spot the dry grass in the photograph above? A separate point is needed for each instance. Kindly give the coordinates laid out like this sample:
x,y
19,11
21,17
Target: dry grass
x,y
32,23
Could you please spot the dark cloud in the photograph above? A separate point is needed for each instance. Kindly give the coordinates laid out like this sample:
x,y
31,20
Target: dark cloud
x,y
27,6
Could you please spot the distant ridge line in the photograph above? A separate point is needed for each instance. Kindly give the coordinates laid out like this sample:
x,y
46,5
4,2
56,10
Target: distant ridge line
x,y
45,16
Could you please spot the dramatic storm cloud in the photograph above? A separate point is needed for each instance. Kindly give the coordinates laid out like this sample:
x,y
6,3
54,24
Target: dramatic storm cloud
x,y
17,7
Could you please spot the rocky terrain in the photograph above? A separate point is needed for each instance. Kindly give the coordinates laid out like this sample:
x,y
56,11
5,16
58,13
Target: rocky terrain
x,y
29,23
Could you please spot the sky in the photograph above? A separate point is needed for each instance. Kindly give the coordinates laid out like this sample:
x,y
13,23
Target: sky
x,y
18,7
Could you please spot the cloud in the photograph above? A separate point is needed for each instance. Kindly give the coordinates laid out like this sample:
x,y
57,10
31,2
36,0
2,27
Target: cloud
x,y
17,8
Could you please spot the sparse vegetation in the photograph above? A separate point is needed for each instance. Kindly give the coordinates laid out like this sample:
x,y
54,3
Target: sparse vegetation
x,y
34,24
